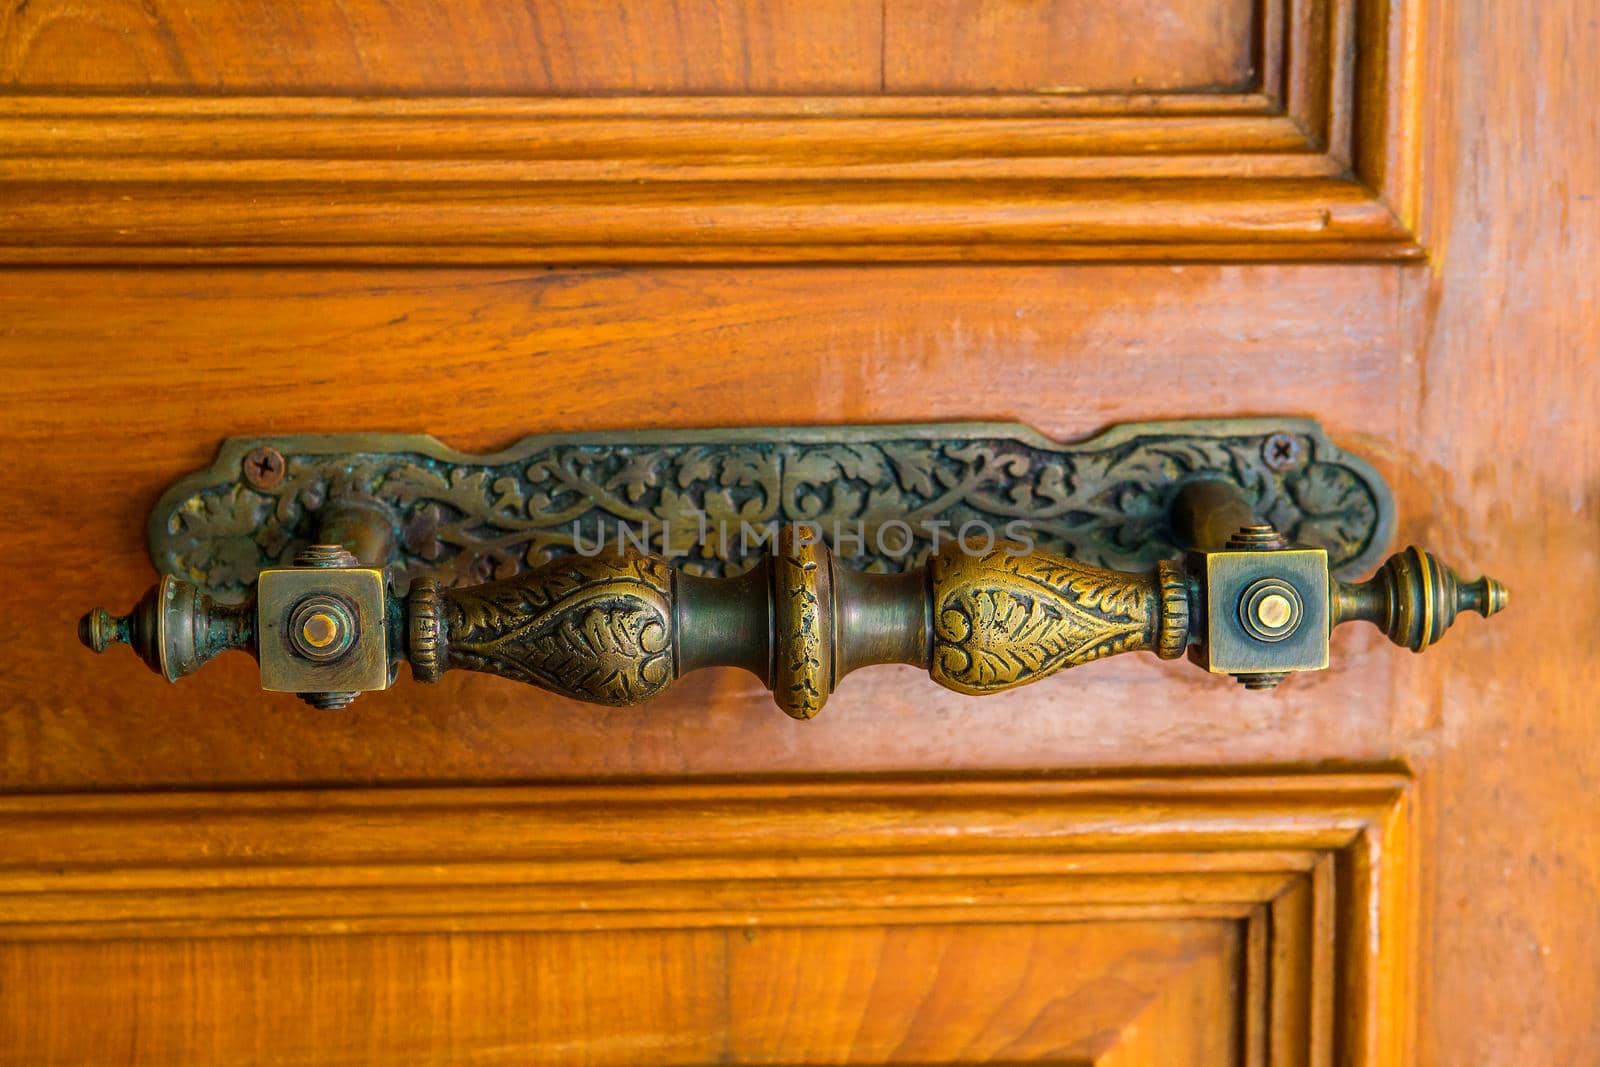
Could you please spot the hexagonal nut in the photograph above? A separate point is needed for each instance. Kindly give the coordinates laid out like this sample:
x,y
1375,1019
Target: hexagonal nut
x,y
322,600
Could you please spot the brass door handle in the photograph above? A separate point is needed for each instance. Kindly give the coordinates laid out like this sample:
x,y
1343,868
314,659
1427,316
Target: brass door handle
x,y
620,629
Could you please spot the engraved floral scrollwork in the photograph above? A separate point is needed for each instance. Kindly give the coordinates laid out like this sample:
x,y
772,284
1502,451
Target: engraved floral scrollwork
x,y
1003,620
598,630
802,626
894,494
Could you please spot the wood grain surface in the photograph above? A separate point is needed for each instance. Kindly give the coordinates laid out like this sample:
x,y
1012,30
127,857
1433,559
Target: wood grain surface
x,y
1124,920
366,46
940,46
170,362
1304,149
1470,380
1504,363
637,46
1144,993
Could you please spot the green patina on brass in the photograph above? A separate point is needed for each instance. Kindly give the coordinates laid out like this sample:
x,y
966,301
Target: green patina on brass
x,y
1264,513
465,519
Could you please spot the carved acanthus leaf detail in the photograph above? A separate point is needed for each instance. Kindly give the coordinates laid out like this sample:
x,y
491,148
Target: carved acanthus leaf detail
x,y
598,630
1003,620
897,494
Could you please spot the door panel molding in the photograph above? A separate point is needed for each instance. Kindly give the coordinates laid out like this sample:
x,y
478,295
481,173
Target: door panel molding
x,y
1315,161
1309,871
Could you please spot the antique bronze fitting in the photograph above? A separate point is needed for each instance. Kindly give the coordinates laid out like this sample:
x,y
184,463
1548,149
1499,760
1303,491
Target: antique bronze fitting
x,y
1234,533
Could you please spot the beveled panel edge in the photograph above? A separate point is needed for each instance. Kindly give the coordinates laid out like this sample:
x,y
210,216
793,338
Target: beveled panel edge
x,y
1266,47
16,104
1322,168
1246,835
1000,203
1316,865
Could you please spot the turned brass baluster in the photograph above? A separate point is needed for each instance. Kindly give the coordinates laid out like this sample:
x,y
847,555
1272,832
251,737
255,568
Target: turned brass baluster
x,y
620,630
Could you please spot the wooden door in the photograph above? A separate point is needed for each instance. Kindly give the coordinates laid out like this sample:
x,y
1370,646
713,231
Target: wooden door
x,y
483,220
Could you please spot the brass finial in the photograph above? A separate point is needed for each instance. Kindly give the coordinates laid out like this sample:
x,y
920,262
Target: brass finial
x,y
99,630
174,628
1414,599
140,628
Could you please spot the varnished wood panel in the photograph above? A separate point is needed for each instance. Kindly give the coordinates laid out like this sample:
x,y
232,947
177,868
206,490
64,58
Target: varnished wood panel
x,y
1504,447
1142,992
1470,379
1107,993
1180,920
461,46
636,46
597,1000
1313,159
171,362
940,46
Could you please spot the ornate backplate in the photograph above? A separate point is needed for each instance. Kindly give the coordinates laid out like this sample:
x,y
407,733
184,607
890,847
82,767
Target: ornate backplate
x,y
709,498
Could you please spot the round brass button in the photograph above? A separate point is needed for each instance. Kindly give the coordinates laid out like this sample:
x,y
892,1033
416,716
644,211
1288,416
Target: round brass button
x,y
1270,609
1274,610
321,628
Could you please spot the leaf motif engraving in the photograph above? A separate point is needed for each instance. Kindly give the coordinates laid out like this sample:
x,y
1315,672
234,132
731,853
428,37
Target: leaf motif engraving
x,y
464,522
800,675
1001,620
596,630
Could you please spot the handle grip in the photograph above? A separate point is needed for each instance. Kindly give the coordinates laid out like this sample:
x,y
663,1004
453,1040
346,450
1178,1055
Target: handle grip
x,y
1005,619
620,630
600,630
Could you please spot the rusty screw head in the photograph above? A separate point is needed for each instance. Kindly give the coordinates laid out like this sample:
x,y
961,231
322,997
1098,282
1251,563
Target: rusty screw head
x,y
264,467
1282,451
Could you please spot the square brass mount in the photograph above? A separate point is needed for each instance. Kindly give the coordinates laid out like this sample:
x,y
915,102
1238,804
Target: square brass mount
x,y
1266,612
326,599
